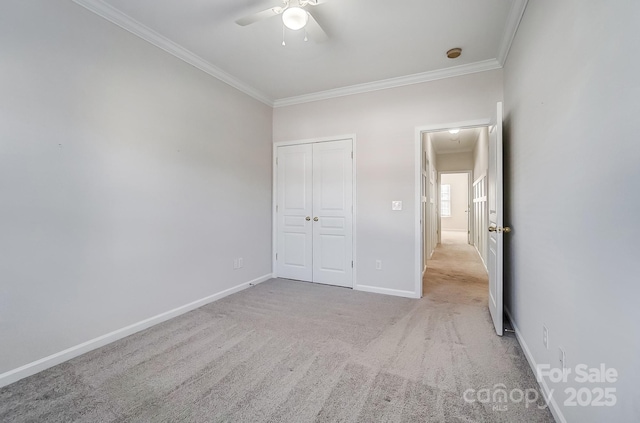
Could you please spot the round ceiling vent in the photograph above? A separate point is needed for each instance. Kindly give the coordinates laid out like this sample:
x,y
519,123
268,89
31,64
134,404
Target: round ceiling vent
x,y
454,53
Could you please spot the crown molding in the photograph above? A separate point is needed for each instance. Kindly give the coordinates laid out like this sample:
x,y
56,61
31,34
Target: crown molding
x,y
108,12
384,84
510,29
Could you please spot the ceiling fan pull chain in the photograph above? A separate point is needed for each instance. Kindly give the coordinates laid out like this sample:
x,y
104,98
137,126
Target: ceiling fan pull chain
x,y
283,43
305,34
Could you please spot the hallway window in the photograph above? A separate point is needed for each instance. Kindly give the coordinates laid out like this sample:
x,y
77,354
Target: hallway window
x,y
445,200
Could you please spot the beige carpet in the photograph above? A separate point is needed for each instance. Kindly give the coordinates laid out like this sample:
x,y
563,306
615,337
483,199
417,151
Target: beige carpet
x,y
455,273
287,351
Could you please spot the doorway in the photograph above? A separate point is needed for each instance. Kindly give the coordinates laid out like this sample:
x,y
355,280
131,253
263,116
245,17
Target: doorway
x,y
455,207
456,148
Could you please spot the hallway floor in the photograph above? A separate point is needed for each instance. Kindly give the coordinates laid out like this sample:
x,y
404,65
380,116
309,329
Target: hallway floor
x,y
455,272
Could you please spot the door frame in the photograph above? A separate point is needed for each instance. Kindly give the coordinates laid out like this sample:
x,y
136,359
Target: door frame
x,y
419,130
274,197
470,213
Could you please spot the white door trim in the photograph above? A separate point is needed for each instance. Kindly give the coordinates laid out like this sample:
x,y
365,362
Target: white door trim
x,y
418,173
274,196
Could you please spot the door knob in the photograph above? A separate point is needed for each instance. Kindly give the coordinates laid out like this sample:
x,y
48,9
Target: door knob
x,y
506,229
315,219
307,218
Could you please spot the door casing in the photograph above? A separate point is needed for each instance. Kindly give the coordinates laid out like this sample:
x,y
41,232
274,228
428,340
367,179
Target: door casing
x,y
418,253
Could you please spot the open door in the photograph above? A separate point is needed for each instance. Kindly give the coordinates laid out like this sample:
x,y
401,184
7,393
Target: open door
x,y
496,229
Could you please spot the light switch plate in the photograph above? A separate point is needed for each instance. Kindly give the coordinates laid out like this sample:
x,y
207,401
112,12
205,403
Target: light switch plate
x,y
396,205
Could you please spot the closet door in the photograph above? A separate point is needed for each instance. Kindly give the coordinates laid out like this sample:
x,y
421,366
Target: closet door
x,y
294,210
333,213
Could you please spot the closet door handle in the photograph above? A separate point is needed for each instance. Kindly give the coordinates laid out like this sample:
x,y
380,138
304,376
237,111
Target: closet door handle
x,y
315,219
307,218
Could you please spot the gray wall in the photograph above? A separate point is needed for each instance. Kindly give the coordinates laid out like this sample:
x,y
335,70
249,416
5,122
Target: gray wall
x,y
129,180
572,99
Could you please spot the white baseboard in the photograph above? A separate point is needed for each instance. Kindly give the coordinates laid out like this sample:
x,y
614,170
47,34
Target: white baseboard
x,y
553,405
387,291
60,357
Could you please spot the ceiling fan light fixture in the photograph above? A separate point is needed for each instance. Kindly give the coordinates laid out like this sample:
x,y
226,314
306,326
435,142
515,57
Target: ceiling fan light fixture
x,y
454,131
295,18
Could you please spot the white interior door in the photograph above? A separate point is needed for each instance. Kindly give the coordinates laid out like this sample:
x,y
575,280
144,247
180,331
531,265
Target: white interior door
x,y
314,207
333,213
496,230
294,209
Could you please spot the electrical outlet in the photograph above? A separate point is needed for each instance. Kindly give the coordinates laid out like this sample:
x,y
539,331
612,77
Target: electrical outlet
x,y
545,336
235,264
378,264
240,263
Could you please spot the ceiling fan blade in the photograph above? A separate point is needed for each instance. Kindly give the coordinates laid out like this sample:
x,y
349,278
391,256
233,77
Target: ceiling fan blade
x,y
265,14
315,31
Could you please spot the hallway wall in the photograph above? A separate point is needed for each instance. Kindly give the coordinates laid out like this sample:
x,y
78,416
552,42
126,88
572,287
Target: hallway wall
x,y
573,156
451,162
481,154
430,218
480,205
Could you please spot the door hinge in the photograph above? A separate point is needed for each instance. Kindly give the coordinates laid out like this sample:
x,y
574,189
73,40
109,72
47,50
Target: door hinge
x,y
352,264
276,208
276,256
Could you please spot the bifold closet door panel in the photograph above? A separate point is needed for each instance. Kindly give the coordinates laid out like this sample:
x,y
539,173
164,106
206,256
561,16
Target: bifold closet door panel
x,y
294,210
333,213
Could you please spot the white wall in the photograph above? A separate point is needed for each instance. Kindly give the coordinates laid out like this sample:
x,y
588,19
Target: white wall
x,y
480,222
129,179
451,162
430,219
384,123
458,221
573,164
481,154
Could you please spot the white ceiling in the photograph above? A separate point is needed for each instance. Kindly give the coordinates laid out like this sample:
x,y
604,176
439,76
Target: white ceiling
x,y
396,42
462,142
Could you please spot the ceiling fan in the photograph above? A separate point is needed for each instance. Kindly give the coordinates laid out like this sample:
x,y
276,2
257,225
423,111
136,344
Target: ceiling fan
x,y
295,16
